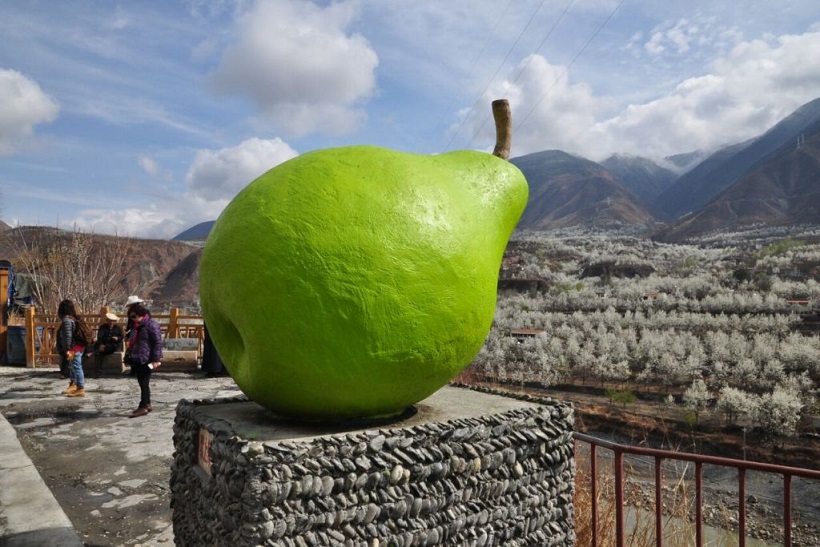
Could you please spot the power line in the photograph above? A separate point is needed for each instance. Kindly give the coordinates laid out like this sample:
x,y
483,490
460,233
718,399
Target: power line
x,y
566,69
543,40
478,56
509,52
526,65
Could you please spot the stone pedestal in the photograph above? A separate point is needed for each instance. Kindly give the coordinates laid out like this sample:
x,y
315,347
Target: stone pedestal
x,y
461,468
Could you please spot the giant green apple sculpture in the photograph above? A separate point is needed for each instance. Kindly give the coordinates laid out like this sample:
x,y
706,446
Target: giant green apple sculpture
x,y
354,282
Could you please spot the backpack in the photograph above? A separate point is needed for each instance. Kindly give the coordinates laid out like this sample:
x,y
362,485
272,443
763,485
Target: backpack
x,y
82,333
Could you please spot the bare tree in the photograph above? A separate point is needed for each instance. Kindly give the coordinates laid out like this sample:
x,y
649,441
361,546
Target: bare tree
x,y
81,266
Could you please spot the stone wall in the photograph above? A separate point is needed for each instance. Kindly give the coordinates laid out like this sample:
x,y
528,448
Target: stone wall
x,y
499,474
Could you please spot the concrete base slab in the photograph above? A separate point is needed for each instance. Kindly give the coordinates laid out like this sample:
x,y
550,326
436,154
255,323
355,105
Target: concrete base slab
x,y
29,514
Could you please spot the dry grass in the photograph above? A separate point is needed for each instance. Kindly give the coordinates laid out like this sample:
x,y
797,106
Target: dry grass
x,y
583,509
16,320
639,529
655,428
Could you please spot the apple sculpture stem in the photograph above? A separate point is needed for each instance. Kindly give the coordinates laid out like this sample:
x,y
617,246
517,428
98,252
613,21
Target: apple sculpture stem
x,y
354,282
503,128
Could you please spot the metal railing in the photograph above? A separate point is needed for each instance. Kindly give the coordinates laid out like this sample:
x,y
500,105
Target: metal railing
x,y
742,466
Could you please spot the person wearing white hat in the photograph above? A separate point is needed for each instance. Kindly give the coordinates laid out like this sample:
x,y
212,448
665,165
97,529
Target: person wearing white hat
x,y
109,340
143,351
133,299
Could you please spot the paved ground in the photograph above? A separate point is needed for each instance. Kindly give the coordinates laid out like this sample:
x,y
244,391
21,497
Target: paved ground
x,y
23,494
109,473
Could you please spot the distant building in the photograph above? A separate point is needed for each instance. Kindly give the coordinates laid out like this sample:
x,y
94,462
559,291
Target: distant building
x,y
798,303
530,286
511,263
523,334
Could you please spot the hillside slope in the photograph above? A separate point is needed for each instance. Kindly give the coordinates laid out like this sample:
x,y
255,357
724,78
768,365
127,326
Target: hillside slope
x,y
161,271
569,191
198,232
784,191
699,186
645,178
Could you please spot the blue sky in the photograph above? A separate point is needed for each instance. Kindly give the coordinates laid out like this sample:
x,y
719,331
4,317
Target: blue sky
x,y
145,118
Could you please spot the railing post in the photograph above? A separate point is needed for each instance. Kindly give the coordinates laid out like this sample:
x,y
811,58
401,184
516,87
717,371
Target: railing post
x,y
787,510
741,507
699,504
4,303
619,498
173,323
593,472
658,502
200,335
30,334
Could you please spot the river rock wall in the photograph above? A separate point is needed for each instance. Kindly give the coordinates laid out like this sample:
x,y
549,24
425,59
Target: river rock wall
x,y
503,478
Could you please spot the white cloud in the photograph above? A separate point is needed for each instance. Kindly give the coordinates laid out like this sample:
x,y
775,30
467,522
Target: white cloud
x,y
754,86
117,21
148,165
213,179
161,219
548,111
655,44
677,38
300,65
759,83
23,105
221,175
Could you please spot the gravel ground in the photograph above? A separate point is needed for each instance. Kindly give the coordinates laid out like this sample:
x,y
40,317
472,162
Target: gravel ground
x,y
109,472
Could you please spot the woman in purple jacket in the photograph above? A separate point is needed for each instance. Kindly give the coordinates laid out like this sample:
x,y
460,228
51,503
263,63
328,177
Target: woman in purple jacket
x,y
143,352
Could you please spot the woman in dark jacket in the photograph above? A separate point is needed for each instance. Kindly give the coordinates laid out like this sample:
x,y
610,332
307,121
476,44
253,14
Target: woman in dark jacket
x,y
143,352
70,351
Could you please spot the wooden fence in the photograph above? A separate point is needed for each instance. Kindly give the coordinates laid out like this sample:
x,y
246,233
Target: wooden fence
x,y
42,329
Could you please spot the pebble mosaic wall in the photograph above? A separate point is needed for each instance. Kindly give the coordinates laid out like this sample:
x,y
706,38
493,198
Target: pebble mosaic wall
x,y
501,479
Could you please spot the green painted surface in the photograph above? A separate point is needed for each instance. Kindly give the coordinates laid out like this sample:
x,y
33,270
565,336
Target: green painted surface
x,y
356,281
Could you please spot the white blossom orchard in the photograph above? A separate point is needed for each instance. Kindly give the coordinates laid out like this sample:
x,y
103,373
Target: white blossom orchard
x,y
718,320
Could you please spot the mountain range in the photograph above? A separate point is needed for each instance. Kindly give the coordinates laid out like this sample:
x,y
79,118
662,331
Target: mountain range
x,y
773,180
198,232
770,180
566,191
